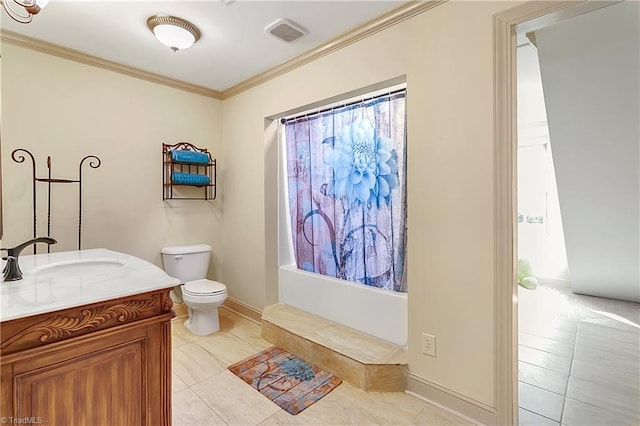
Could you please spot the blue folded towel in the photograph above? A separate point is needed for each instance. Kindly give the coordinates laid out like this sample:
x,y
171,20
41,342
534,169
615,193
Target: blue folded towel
x,y
184,156
189,179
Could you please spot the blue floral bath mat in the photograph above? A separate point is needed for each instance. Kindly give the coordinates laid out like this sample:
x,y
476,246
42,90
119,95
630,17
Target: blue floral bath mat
x,y
285,379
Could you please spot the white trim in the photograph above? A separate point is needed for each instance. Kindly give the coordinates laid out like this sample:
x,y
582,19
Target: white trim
x,y
242,309
450,400
41,46
506,393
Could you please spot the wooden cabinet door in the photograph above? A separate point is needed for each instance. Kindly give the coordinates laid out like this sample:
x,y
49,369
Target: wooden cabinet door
x,y
96,387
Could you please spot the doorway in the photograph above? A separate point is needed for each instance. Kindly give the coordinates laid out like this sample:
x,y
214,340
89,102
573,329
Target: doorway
x,y
575,397
572,346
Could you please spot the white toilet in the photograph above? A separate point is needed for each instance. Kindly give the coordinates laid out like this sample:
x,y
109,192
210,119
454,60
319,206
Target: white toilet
x,y
190,264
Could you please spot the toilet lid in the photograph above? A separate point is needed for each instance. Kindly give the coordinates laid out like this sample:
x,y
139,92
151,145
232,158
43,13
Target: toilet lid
x,y
204,287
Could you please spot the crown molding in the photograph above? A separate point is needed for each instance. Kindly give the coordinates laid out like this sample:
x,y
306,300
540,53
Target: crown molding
x,y
395,16
20,40
407,10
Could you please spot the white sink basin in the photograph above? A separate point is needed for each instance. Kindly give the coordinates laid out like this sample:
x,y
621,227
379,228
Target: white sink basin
x,y
56,281
79,267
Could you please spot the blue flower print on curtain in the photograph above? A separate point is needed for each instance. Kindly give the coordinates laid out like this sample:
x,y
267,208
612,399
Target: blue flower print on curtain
x,y
347,193
364,164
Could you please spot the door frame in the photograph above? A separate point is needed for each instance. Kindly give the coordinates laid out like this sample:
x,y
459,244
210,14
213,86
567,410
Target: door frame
x,y
523,18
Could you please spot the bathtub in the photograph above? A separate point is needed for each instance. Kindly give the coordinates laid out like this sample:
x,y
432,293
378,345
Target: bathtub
x,y
367,309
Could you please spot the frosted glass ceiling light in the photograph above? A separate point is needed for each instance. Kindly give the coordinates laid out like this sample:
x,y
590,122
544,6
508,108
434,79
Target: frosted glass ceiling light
x,y
23,10
173,32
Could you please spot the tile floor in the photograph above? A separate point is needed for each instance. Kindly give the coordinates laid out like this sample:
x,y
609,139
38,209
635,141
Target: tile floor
x,y
206,393
579,359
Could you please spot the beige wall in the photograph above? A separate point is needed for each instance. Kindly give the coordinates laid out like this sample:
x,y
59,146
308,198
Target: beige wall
x,y
446,54
450,178
67,110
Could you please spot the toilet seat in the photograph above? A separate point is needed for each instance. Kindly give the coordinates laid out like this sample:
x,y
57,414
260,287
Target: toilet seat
x,y
203,288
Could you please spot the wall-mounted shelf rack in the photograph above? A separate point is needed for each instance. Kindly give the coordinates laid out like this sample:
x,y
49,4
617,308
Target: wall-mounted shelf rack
x,y
18,155
186,165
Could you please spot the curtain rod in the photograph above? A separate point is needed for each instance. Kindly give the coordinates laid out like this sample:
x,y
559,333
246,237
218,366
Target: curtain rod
x,y
311,114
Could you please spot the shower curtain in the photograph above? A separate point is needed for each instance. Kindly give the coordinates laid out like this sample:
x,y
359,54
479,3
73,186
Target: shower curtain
x,y
346,178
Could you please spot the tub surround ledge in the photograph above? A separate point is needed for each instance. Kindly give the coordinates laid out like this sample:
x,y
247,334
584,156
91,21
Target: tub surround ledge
x,y
364,361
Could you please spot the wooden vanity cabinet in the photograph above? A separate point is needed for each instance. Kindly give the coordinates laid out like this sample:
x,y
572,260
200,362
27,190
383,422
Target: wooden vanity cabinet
x,y
108,363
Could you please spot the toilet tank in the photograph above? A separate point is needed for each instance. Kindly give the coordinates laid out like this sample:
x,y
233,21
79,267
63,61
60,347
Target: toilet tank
x,y
187,263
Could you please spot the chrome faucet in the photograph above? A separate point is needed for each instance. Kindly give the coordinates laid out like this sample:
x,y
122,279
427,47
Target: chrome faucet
x,y
12,270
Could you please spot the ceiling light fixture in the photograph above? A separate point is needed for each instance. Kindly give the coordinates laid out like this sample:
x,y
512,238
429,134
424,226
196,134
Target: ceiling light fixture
x,y
176,33
23,10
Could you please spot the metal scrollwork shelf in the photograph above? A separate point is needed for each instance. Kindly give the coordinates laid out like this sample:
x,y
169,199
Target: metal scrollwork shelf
x,y
180,172
18,155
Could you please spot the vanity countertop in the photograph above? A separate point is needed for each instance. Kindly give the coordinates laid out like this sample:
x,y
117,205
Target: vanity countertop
x,y
63,280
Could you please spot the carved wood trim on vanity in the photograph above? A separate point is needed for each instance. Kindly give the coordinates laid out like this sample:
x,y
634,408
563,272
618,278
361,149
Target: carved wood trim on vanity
x,y
38,330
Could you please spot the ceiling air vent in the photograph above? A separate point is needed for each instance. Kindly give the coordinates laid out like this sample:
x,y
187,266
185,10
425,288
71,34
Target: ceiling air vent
x,y
285,30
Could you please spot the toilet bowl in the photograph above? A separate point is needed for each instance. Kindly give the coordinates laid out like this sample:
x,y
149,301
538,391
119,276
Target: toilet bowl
x,y
201,296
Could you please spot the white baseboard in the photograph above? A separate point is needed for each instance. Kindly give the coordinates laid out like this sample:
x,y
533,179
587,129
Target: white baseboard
x,y
239,308
456,403
246,311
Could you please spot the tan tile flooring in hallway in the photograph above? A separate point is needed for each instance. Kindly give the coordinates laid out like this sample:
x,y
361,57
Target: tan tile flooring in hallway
x,y
206,393
579,359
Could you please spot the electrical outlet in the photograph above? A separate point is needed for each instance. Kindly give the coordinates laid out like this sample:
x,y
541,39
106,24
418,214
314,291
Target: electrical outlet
x,y
428,344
